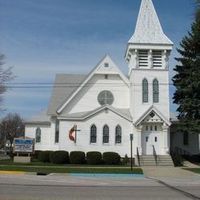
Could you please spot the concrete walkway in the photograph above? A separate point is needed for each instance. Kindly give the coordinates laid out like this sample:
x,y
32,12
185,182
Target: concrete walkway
x,y
191,165
167,172
176,178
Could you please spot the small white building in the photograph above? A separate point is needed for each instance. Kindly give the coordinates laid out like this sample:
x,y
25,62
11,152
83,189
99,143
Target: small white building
x,y
107,106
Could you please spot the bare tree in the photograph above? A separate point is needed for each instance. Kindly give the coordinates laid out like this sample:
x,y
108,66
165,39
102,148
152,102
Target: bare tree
x,y
2,140
12,126
5,76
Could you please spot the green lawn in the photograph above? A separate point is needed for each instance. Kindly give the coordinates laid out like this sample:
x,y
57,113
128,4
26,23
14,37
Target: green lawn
x,y
54,169
8,165
38,163
195,170
33,163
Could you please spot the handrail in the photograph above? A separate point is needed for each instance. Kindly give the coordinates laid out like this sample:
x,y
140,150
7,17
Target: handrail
x,y
182,152
138,156
178,155
155,155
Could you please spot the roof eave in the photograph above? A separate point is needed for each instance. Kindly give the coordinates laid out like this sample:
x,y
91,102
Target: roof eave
x,y
94,113
47,123
144,115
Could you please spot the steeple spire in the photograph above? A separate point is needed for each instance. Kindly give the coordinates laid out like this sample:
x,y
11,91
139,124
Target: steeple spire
x,y
148,28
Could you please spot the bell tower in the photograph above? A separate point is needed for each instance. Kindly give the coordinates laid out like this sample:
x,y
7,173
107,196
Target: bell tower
x,y
147,54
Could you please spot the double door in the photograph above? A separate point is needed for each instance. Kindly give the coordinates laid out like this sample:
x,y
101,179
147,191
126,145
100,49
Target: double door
x,y
150,142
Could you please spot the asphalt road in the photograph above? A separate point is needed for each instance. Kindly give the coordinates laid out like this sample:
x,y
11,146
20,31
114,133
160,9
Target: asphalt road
x,y
31,187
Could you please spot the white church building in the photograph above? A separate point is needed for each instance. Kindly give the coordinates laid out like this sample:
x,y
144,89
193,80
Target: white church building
x,y
107,106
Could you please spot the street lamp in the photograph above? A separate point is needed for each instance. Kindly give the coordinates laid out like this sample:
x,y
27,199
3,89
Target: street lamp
x,y
131,140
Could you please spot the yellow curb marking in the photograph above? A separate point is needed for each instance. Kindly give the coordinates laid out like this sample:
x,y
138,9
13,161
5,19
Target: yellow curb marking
x,y
12,172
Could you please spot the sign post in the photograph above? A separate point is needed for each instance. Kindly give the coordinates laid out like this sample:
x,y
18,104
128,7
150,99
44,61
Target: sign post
x,y
131,140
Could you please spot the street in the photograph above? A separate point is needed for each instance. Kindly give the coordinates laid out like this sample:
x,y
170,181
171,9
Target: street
x,y
62,187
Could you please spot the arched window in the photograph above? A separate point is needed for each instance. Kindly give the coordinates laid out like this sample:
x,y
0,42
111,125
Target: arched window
x,y
118,135
105,134
38,135
145,91
155,91
57,131
93,134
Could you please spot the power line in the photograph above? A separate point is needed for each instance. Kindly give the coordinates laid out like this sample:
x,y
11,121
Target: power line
x,y
50,87
68,83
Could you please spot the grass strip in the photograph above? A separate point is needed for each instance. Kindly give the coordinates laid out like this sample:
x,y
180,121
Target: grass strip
x,y
37,163
195,170
91,170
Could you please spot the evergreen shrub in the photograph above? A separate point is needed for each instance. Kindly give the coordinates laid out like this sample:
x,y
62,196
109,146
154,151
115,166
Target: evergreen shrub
x,y
36,154
94,158
111,158
44,156
125,160
59,157
77,157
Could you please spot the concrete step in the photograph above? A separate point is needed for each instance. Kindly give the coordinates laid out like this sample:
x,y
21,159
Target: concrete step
x,y
147,156
148,161
165,160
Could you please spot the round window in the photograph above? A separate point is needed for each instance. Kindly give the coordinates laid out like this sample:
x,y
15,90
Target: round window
x,y
105,97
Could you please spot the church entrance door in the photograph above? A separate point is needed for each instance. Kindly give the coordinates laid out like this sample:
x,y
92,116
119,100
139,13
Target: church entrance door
x,y
150,140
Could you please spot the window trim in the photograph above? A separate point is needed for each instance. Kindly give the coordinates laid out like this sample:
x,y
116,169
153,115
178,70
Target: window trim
x,y
103,96
93,135
38,131
118,134
156,92
57,131
106,134
145,91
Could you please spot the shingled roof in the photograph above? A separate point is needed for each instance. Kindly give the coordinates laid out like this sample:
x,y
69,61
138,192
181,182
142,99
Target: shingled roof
x,y
64,86
148,28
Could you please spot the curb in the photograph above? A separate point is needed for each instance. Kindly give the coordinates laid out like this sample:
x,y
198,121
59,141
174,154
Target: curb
x,y
12,172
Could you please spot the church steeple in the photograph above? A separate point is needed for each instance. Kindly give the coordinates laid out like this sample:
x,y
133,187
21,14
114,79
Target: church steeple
x,y
148,28
149,47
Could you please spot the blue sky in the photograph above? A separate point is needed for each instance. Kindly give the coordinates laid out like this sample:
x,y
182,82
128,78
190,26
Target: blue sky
x,y
43,37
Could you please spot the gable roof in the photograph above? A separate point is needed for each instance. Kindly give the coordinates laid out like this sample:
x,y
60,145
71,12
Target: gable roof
x,y
124,113
99,69
148,28
64,86
40,119
145,115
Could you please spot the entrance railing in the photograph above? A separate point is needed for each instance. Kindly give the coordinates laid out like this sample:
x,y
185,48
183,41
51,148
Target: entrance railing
x,y
155,155
138,157
182,151
178,155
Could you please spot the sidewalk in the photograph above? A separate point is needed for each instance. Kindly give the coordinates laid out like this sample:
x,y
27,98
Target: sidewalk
x,y
191,165
175,178
167,172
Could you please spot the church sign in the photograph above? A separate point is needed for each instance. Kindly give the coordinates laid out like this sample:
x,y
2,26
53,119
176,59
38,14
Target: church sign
x,y
23,145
